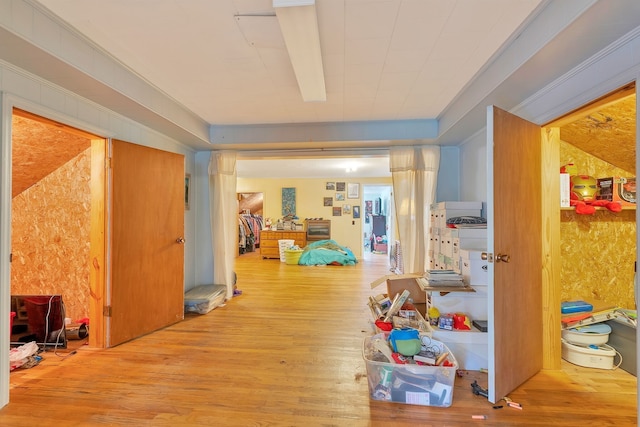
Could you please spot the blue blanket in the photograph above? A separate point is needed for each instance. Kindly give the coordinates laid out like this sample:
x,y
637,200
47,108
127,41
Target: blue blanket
x,y
326,252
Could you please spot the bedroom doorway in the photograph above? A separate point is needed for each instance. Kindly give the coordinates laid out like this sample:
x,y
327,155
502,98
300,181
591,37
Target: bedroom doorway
x,y
378,228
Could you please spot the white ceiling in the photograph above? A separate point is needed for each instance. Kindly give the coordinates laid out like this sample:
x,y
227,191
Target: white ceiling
x,y
383,59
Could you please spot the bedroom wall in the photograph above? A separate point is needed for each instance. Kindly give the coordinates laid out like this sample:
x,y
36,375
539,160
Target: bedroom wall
x,y
50,224
310,194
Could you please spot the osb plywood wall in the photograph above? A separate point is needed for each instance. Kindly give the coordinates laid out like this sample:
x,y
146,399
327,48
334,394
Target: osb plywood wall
x,y
50,224
598,251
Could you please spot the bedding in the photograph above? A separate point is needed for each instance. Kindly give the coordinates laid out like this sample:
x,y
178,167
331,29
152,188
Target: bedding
x,y
327,252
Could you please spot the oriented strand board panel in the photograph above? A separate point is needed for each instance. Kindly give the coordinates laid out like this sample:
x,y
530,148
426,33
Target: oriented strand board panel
x,y
50,224
597,251
39,148
608,134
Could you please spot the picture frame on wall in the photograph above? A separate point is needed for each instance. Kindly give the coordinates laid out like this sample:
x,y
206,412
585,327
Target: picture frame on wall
x,y
356,212
353,190
330,186
346,209
288,201
337,211
340,197
187,188
340,186
328,201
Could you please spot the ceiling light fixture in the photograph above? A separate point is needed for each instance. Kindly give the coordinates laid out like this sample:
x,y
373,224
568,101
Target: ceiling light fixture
x,y
299,26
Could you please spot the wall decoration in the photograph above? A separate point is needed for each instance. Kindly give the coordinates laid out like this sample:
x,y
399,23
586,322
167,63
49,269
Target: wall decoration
x,y
368,207
340,186
340,197
288,201
328,201
330,186
337,211
356,212
346,209
187,187
353,190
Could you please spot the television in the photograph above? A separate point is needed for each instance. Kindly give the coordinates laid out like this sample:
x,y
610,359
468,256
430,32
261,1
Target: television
x,y
38,318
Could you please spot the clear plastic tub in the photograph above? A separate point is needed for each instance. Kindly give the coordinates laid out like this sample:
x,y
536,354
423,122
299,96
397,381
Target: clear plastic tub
x,y
410,384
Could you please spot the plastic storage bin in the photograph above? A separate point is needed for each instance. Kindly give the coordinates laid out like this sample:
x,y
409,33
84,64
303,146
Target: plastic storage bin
x,y
204,298
292,256
410,384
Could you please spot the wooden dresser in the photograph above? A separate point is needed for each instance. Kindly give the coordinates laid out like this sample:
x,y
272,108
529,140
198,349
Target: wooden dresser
x,y
269,241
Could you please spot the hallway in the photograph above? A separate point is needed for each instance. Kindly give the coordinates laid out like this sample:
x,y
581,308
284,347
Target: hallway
x,y
286,352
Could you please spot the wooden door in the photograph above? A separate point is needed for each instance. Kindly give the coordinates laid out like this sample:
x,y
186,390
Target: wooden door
x,y
146,289
514,229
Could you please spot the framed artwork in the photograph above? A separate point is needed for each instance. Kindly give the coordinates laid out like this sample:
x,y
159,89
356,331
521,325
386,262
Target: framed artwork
x,y
353,190
340,197
328,201
356,212
368,207
330,186
288,201
340,186
337,211
187,187
346,209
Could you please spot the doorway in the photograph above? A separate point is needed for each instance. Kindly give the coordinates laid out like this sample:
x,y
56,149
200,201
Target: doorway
x,y
378,231
52,207
600,139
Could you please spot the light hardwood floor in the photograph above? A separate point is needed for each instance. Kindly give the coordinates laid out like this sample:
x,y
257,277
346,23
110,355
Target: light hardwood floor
x,y
287,352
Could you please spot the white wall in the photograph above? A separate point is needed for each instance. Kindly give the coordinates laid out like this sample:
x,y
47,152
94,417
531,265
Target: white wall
x,y
473,168
448,187
23,90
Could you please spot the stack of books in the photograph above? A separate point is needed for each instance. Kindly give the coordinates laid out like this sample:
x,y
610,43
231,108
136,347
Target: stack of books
x,y
437,278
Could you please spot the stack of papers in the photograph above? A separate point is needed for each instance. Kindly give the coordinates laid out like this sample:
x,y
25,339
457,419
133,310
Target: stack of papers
x,y
436,278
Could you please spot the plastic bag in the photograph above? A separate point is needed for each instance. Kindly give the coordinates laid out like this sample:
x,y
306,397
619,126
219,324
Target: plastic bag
x,y
20,355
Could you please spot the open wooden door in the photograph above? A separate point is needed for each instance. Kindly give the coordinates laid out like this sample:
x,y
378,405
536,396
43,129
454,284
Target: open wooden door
x,y
146,289
514,249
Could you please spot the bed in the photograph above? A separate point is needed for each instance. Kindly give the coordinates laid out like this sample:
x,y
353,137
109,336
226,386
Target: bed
x,y
327,252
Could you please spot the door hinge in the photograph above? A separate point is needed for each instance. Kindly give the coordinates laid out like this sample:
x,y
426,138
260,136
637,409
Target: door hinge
x,y
107,163
11,257
106,311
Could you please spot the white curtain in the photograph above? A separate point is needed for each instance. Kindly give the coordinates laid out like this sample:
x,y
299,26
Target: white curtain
x,y
414,171
224,218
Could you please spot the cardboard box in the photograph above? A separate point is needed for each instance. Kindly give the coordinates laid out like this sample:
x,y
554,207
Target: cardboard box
x,y
396,286
396,283
617,189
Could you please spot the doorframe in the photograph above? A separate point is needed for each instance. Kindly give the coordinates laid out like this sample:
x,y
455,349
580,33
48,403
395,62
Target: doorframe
x,y
391,236
551,287
98,252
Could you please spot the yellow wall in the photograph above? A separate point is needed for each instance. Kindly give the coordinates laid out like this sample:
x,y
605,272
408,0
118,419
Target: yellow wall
x,y
598,251
310,194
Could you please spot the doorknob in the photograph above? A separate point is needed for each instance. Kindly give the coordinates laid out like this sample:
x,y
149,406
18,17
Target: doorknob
x,y
180,240
485,256
502,257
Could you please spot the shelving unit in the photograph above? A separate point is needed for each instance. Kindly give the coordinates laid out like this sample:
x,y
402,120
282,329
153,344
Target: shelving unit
x,y
459,250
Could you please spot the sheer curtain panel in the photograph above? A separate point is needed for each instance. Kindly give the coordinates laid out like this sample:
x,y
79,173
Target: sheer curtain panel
x,y
414,171
224,218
